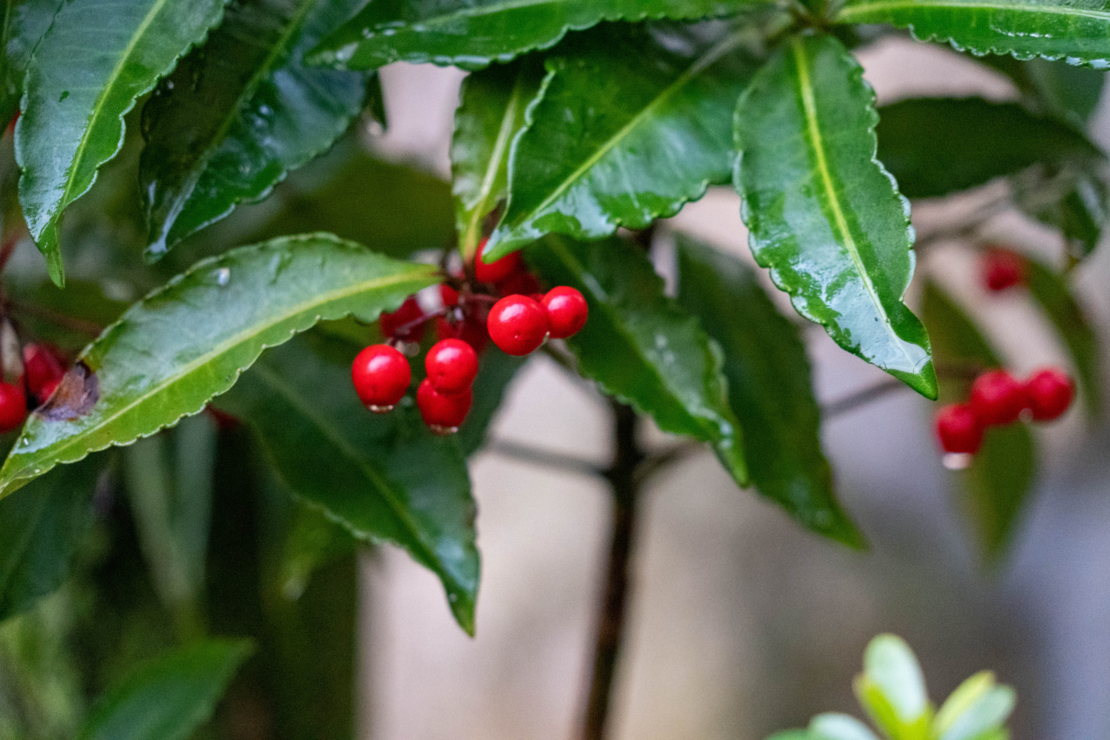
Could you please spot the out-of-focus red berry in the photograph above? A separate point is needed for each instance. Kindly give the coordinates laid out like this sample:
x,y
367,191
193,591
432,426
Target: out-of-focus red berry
x,y
393,324
448,296
1002,269
958,429
13,407
520,283
43,370
997,398
1049,393
495,272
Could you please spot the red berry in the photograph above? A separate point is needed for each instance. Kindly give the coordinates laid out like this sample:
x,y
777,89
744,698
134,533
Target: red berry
x,y
13,407
1048,393
452,365
443,412
517,324
409,312
997,398
42,369
495,272
449,296
1002,269
381,376
470,330
566,311
519,283
959,429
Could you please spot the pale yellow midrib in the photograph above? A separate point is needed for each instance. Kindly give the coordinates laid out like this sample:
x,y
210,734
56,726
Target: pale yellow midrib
x,y
864,8
805,86
224,347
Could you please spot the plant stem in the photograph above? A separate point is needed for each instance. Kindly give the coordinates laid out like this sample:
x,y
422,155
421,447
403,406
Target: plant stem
x,y
625,486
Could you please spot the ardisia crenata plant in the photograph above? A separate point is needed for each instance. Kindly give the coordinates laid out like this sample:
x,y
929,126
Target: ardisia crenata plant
x,y
194,450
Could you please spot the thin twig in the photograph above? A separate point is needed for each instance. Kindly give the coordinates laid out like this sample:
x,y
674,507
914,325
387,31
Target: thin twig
x,y
58,319
855,400
659,460
546,458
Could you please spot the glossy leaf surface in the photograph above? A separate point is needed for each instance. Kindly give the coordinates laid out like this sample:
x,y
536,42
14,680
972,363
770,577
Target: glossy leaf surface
x,y
824,215
97,58
769,387
1075,31
938,146
22,24
488,120
639,346
474,33
41,528
1002,473
384,477
240,112
188,341
633,124
169,697
1055,298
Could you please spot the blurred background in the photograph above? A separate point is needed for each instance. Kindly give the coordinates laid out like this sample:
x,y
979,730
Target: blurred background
x,y
741,623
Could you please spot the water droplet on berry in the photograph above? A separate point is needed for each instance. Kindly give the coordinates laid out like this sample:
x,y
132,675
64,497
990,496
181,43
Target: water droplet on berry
x,y
957,460
380,409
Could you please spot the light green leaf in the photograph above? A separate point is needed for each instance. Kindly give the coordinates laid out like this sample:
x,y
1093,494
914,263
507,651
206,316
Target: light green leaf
x,y
640,346
40,530
22,24
964,697
383,477
169,697
474,33
600,150
97,58
188,341
769,387
890,666
823,213
984,715
491,115
1075,31
234,118
1001,476
1055,298
839,727
938,146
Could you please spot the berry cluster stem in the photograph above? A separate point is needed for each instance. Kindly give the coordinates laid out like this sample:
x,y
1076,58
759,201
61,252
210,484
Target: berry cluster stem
x,y
625,485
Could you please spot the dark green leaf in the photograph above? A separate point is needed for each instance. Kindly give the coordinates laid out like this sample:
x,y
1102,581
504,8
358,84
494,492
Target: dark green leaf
x,y
937,146
600,147
823,213
474,33
235,117
487,122
1002,474
769,387
640,346
1075,31
1051,291
394,208
187,342
312,542
170,697
41,528
22,24
1065,91
97,58
383,477
495,373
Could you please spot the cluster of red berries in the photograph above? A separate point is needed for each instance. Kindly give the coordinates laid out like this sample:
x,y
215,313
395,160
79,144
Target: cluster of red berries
x,y
519,322
43,368
1001,269
996,399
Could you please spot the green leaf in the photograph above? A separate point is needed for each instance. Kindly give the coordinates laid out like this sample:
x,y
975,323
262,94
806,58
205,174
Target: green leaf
x,y
496,371
892,689
937,146
97,58
188,341
1003,471
234,118
769,386
984,715
1075,31
833,726
640,346
1071,93
313,541
599,149
823,213
963,698
474,33
385,478
1052,293
22,24
169,697
1076,204
40,530
488,120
